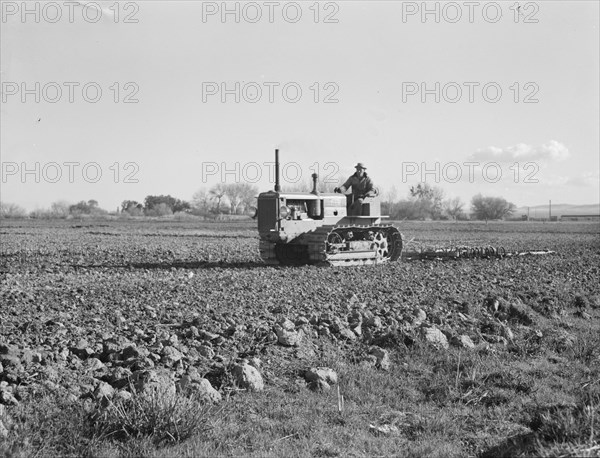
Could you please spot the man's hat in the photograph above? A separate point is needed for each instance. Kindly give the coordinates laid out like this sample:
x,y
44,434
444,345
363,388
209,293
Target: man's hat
x,y
360,165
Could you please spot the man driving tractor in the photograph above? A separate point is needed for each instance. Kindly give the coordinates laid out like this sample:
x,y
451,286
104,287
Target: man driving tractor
x,y
362,187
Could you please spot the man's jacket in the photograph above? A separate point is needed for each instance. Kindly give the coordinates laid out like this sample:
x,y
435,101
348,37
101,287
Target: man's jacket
x,y
360,186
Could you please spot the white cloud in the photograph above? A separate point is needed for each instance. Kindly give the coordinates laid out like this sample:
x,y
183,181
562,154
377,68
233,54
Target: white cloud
x,y
551,151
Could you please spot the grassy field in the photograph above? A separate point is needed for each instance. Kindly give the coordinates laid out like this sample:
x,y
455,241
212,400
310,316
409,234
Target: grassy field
x,y
529,386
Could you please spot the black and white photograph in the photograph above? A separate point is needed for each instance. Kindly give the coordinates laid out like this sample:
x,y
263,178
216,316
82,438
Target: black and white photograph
x,y
303,228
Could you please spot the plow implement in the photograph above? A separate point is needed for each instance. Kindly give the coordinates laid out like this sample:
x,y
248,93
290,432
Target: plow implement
x,y
469,252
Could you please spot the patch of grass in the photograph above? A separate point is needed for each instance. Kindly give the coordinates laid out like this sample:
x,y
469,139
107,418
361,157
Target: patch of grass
x,y
563,424
161,417
570,450
586,346
47,426
60,426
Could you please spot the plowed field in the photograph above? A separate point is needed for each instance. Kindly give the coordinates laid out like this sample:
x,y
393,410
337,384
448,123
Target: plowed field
x,y
68,287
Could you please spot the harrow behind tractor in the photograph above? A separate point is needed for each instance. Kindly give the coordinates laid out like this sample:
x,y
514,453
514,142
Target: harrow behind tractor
x,y
298,228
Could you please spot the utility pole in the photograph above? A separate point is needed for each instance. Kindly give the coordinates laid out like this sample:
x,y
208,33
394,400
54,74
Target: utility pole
x,y
549,210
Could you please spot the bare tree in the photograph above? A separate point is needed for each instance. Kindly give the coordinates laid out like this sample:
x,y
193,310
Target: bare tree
x,y
428,200
240,195
454,208
245,194
12,211
217,192
250,196
201,201
389,201
59,209
392,195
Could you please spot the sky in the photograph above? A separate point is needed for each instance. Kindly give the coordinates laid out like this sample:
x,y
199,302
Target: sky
x,y
115,101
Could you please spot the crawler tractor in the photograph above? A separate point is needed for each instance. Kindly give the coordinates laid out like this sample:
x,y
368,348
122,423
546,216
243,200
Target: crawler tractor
x,y
298,228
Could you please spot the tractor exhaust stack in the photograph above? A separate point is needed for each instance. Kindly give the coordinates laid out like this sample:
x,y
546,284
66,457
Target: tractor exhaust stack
x,y
277,185
314,206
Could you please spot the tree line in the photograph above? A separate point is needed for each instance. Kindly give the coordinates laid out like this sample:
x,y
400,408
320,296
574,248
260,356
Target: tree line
x,y
220,199
426,202
423,202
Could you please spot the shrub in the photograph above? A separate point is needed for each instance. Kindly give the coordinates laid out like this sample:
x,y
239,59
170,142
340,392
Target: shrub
x,y
11,211
160,209
160,417
567,428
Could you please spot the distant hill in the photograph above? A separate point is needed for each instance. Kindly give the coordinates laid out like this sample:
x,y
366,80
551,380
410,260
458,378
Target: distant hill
x,y
541,211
